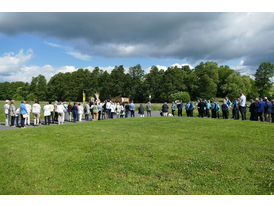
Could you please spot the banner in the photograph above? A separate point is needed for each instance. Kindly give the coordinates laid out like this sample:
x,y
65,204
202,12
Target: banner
x,y
84,96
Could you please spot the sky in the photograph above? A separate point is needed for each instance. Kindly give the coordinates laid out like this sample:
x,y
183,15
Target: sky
x,y
48,43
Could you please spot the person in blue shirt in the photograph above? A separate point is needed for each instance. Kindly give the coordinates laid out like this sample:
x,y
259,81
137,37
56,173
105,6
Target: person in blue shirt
x,y
207,104
74,112
189,109
180,108
235,109
268,109
229,104
173,109
218,110
132,109
260,109
23,113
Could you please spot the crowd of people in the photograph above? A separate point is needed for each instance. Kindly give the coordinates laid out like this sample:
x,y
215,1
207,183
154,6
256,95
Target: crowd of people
x,y
59,112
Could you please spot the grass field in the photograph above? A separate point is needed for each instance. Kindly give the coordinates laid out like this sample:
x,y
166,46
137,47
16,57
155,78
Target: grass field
x,y
139,156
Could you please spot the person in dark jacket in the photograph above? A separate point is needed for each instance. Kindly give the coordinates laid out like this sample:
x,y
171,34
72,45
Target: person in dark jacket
x,y
201,108
267,112
272,110
180,108
252,110
127,110
225,110
213,108
141,110
74,112
260,109
165,109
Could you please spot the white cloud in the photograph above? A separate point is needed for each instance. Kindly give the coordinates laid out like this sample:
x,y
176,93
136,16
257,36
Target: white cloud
x,y
70,51
10,62
243,69
79,55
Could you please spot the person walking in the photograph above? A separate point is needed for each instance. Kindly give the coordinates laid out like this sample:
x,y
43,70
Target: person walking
x,y
28,106
47,113
36,111
148,108
242,105
165,109
225,110
132,109
23,113
12,113
141,110
6,111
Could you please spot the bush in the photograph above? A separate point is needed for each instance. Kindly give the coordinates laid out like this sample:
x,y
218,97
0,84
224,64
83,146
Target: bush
x,y
180,96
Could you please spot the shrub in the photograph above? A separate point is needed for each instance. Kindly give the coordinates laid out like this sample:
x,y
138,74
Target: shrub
x,y
180,96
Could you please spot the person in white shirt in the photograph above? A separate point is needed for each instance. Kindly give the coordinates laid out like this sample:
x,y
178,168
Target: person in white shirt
x,y
47,113
242,105
80,111
65,111
108,109
27,120
118,110
36,111
60,111
6,110
112,110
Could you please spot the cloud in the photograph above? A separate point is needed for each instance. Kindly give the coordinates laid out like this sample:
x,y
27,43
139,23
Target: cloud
x,y
70,51
79,55
243,69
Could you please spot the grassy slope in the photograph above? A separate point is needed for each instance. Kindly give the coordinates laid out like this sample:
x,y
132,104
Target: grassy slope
x,y
139,156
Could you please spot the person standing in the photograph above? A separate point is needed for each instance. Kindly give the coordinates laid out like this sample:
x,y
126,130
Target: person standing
x,y
23,113
36,111
74,110
242,105
47,113
6,111
132,109
55,112
272,110
260,109
229,104
28,106
112,109
225,110
141,110
268,110
173,109
51,112
86,111
70,111
165,109
218,110
100,107
252,110
95,111
65,111
213,109
201,108
148,108
60,110
122,114
207,104
180,108
118,110
17,116
12,112
108,109
127,110
80,111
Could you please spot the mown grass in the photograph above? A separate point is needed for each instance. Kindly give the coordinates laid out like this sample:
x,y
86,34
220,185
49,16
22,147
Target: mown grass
x,y
139,156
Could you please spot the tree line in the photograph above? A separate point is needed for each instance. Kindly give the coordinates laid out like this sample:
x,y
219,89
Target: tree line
x,y
206,80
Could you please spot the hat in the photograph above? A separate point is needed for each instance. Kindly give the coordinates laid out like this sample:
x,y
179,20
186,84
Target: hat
x,y
7,101
265,98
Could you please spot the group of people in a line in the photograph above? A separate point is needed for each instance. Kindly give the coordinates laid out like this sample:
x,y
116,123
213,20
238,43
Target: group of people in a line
x,y
260,109
59,112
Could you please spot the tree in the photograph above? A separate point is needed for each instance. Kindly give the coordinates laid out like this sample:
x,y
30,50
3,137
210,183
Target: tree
x,y
263,77
179,96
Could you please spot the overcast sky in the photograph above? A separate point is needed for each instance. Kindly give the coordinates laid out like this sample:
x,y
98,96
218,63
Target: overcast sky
x,y
47,43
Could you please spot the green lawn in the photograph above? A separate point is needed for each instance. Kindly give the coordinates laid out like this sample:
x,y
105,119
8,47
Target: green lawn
x,y
139,156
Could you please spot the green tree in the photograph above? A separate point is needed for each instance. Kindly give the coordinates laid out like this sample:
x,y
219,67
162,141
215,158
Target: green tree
x,y
179,96
263,77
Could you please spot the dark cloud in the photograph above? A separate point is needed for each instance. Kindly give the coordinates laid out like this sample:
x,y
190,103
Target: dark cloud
x,y
191,36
